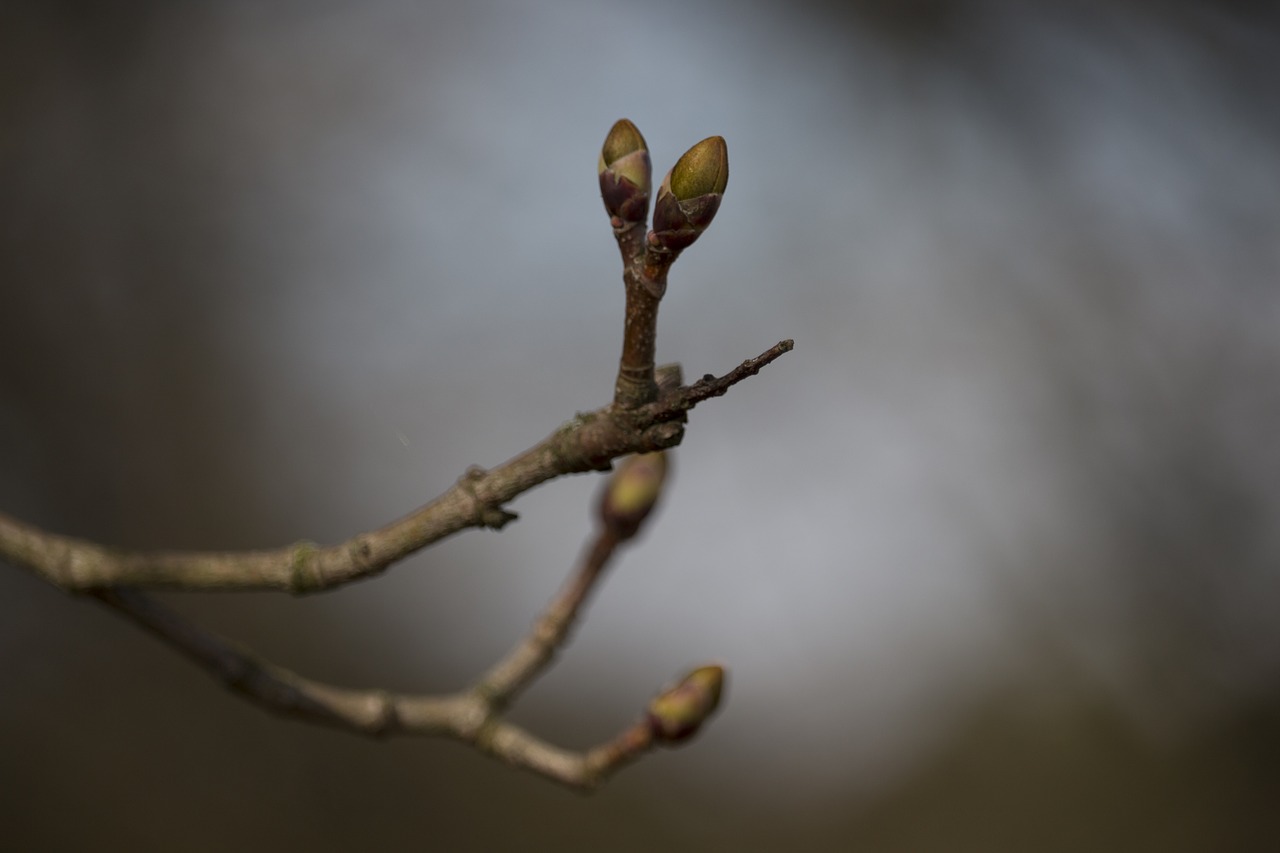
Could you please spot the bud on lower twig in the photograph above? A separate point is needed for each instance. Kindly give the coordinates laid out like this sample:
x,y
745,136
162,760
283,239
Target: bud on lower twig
x,y
632,492
678,712
690,195
625,174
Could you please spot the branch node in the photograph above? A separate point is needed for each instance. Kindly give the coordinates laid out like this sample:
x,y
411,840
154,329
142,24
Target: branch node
x,y
304,568
385,717
664,435
486,513
475,718
495,518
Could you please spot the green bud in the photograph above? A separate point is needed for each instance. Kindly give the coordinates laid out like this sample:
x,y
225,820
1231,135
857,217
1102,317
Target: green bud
x,y
632,492
690,195
678,712
702,169
625,174
623,139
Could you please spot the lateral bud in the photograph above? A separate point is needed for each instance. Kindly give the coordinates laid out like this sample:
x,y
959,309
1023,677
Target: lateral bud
x,y
625,174
678,712
690,195
632,492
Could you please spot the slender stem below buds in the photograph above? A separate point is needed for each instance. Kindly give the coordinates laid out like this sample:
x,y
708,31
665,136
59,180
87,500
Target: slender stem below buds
x,y
636,386
630,237
646,282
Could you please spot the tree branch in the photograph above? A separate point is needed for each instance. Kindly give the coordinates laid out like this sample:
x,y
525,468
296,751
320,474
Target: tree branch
x,y
528,659
472,716
645,285
587,443
648,414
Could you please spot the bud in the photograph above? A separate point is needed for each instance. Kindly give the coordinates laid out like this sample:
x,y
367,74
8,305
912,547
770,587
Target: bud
x,y
632,492
625,174
678,712
690,195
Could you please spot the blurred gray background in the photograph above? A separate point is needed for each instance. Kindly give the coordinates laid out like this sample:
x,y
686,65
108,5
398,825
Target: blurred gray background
x,y
993,556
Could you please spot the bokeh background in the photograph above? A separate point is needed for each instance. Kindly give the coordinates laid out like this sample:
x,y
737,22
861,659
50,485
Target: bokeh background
x,y
993,556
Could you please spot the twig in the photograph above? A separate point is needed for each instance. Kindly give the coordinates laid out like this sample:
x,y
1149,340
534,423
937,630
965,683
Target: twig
x,y
372,712
711,386
648,414
472,716
587,443
530,657
645,287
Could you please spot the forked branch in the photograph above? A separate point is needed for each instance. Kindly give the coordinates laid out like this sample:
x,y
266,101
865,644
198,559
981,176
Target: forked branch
x,y
647,415
467,716
474,715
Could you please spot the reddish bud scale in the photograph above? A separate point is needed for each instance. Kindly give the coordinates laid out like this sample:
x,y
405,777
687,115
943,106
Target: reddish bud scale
x,y
622,198
690,195
625,173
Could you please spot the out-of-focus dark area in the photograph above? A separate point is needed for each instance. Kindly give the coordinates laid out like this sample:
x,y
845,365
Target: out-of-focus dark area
x,y
993,556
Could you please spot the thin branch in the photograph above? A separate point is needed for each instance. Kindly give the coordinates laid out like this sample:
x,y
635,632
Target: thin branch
x,y
531,656
635,384
470,716
711,386
372,712
587,443
648,413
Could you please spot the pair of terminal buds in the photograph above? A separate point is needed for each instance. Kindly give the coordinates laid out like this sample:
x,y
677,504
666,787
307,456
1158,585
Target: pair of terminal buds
x,y
687,199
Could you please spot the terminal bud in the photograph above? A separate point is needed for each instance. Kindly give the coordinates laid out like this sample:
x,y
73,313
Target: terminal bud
x,y
625,174
678,712
690,195
632,492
